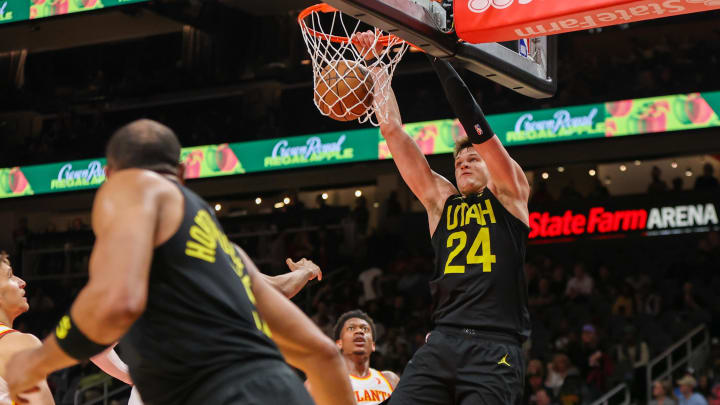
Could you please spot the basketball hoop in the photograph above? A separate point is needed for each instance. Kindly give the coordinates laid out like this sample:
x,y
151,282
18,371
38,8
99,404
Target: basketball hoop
x,y
327,33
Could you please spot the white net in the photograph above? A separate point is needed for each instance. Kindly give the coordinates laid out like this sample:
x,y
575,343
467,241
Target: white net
x,y
348,85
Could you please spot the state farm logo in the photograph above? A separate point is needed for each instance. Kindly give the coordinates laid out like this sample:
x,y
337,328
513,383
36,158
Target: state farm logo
x,y
479,6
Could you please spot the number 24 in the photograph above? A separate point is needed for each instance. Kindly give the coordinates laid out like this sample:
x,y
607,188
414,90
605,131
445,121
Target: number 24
x,y
482,239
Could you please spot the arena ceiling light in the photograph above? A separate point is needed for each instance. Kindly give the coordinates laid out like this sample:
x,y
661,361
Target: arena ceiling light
x,y
560,169
592,172
258,201
358,193
218,207
324,196
286,200
545,175
623,168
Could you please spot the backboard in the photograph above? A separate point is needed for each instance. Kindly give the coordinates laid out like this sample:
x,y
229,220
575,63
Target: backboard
x,y
422,22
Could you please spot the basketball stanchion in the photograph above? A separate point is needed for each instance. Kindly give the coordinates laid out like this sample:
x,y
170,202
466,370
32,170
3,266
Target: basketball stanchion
x,y
346,83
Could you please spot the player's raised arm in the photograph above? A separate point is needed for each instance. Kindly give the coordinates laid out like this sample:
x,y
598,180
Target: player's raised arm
x,y
302,343
507,179
429,187
125,214
110,363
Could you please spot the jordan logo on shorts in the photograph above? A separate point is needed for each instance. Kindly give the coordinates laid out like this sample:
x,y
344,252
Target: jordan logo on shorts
x,y
503,361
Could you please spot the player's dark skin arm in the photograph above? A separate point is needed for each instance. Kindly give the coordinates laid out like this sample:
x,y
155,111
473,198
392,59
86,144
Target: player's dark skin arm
x,y
302,343
127,227
289,284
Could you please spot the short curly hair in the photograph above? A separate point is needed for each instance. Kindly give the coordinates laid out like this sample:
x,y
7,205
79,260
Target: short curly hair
x,y
356,313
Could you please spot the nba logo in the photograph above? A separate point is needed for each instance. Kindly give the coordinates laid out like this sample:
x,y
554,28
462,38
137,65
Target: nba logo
x,y
523,47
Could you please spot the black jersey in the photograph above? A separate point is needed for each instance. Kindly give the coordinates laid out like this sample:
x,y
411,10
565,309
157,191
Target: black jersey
x,y
479,280
200,323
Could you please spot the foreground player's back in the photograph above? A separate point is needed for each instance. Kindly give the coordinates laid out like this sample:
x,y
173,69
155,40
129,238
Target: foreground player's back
x,y
200,318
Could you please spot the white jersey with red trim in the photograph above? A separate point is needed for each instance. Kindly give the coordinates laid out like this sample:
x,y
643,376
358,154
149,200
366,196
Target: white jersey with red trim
x,y
371,390
4,391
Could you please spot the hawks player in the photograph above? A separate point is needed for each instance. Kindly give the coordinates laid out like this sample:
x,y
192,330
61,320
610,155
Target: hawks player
x,y
12,304
354,335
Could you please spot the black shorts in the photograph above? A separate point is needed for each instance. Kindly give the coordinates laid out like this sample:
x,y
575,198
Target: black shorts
x,y
454,367
273,385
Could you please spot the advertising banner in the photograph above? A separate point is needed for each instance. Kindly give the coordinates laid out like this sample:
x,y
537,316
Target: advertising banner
x,y
611,119
478,21
304,151
657,216
19,10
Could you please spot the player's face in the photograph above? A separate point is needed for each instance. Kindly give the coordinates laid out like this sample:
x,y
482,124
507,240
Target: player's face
x,y
356,338
470,172
12,292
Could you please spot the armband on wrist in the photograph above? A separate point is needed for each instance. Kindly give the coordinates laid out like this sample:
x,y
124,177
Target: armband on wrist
x,y
73,342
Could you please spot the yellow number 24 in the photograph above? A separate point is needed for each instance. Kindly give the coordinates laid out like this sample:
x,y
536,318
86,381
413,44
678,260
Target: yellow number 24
x,y
485,258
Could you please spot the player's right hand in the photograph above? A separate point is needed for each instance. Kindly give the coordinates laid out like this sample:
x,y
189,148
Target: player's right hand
x,y
364,41
303,264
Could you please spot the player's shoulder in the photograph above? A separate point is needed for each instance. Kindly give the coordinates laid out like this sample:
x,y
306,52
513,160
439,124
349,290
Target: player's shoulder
x,y
391,378
140,179
13,341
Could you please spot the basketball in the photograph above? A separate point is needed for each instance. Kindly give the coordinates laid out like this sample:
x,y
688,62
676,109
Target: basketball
x,y
343,90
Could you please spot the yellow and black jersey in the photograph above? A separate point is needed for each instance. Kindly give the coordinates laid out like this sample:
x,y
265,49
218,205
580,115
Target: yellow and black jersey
x,y
479,280
200,321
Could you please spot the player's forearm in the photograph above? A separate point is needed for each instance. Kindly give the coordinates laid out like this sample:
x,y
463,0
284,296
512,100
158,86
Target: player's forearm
x,y
328,377
109,362
289,284
104,315
462,102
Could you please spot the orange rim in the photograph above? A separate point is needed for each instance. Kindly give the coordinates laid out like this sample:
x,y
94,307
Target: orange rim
x,y
326,8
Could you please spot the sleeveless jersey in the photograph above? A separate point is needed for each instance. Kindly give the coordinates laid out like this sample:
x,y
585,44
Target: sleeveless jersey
x,y
372,389
33,398
479,280
200,327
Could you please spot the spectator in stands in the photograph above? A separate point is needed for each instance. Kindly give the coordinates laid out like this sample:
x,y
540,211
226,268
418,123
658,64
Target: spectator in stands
x,y
662,394
531,278
543,298
689,300
580,285
677,184
591,359
648,302
361,215
606,284
629,355
707,181
623,305
535,382
714,398
369,279
687,385
657,185
564,381
558,283
392,205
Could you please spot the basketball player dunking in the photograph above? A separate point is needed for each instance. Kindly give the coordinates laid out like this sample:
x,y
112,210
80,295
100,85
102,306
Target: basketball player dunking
x,y
194,316
12,304
479,232
289,284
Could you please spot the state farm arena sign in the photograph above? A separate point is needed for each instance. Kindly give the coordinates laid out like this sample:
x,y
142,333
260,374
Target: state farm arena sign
x,y
602,221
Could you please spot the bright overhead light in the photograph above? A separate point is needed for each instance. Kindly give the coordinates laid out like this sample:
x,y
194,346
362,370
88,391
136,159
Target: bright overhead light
x,y
637,163
673,165
324,196
358,193
608,180
376,204
258,201
545,175
623,168
218,207
688,172
279,204
286,200
560,169
592,172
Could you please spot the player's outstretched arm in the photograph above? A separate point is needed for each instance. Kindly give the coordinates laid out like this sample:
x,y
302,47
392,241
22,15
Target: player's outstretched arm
x,y
289,284
125,217
302,343
110,363
429,187
507,180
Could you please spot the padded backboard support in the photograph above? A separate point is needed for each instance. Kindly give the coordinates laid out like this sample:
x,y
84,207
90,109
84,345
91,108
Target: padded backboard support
x,y
415,24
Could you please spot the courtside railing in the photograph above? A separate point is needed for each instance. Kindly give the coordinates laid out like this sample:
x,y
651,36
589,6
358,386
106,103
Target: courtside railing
x,y
679,354
620,391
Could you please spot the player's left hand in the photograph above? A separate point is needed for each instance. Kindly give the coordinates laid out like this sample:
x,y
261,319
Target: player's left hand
x,y
24,376
305,265
364,42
